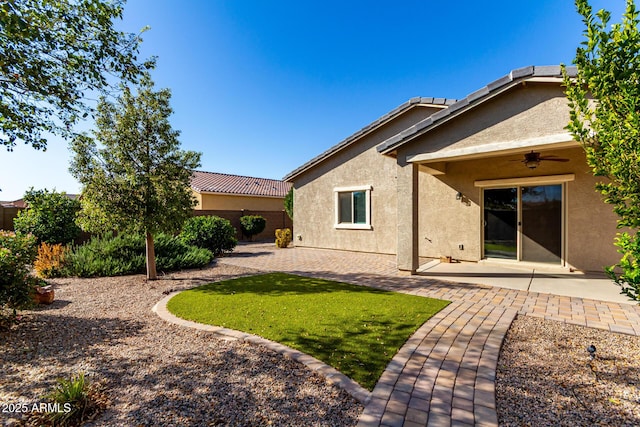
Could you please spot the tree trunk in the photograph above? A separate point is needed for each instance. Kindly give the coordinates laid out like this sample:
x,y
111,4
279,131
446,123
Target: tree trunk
x,y
151,258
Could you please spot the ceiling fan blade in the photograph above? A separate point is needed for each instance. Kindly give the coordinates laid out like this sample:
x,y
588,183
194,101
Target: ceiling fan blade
x,y
551,159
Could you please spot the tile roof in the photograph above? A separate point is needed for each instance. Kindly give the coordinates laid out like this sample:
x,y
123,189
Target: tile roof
x,y
413,102
472,100
221,183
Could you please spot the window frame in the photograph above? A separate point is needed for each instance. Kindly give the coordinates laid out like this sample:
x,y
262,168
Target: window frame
x,y
367,197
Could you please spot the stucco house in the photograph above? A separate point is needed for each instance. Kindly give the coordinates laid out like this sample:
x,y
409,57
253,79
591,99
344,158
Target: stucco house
x,y
232,196
493,177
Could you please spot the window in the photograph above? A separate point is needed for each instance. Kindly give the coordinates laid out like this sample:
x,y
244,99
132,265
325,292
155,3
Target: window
x,y
353,207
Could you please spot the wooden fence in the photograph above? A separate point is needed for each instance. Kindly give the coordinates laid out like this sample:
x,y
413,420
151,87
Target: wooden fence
x,y
6,217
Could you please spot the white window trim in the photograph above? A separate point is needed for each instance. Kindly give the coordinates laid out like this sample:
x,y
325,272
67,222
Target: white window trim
x,y
336,208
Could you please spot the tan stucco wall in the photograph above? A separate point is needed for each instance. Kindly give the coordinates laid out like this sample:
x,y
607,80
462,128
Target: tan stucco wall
x,y
528,111
357,165
232,203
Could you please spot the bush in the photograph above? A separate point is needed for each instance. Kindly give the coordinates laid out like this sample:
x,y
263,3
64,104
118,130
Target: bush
x,y
252,225
210,232
174,254
50,260
77,401
49,216
283,237
17,253
125,254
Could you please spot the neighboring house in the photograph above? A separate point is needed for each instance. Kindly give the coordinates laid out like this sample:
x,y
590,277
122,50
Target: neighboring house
x,y
232,196
493,176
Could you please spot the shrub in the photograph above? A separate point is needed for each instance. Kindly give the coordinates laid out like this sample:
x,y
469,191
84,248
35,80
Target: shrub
x,y
107,256
125,254
17,253
210,232
283,237
252,225
50,260
49,216
174,254
77,401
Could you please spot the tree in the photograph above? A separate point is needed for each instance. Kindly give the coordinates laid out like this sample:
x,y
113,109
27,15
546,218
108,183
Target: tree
x,y
137,180
52,52
288,203
50,216
604,101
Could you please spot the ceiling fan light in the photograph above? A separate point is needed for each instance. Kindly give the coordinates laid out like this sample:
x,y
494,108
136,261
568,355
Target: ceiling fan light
x,y
532,164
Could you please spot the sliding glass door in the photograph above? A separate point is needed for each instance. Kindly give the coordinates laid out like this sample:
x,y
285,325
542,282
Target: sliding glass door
x,y
524,223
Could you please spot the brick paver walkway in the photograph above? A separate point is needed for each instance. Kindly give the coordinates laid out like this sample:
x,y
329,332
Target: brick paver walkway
x,y
445,374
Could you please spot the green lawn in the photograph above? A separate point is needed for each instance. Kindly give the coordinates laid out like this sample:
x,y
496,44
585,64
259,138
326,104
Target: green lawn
x,y
355,329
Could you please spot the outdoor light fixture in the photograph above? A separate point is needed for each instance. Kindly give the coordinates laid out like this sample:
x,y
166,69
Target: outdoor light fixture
x,y
592,351
532,164
459,196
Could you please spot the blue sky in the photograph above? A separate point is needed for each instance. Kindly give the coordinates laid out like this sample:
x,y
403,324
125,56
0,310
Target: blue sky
x,y
260,87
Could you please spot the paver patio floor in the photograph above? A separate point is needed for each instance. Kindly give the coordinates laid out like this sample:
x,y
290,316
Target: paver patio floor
x,y
445,373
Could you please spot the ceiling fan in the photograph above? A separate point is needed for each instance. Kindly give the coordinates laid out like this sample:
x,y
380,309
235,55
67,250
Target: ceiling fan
x,y
532,160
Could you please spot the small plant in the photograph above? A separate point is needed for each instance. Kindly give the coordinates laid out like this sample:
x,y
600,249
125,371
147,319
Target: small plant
x,y
50,260
252,225
73,402
283,237
210,232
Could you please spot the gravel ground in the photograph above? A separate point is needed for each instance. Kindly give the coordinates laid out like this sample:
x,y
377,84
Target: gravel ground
x,y
156,373
545,376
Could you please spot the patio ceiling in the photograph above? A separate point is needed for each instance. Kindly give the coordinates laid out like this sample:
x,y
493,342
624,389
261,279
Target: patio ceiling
x,y
435,162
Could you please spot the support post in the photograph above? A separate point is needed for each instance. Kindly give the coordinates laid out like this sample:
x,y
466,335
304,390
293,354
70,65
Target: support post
x,y
407,187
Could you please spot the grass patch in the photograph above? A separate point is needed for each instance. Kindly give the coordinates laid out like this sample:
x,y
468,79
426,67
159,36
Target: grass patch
x,y
355,329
